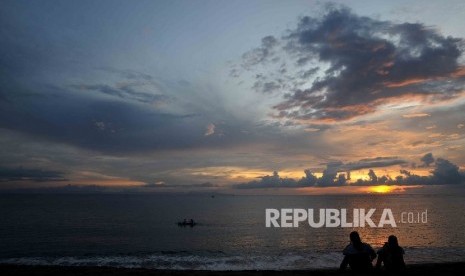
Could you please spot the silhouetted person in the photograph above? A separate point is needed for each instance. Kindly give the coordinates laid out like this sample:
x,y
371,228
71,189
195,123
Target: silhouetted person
x,y
358,255
392,255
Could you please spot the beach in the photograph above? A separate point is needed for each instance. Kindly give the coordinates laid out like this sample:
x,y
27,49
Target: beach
x,y
19,270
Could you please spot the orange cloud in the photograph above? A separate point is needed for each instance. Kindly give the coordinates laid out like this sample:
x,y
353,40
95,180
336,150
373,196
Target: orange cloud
x,y
404,83
416,115
460,72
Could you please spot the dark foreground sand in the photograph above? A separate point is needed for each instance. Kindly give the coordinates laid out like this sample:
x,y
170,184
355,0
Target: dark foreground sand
x,y
424,269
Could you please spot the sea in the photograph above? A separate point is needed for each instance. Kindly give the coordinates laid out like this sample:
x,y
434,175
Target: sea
x,y
142,231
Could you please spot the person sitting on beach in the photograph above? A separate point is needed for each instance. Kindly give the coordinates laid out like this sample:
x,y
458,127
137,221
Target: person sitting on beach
x,y
358,255
392,255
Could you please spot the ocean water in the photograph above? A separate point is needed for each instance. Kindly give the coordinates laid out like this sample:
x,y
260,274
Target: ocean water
x,y
140,230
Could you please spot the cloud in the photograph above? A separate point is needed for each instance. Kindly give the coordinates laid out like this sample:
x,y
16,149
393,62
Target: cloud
x,y
416,115
427,159
308,180
266,87
444,173
127,85
114,111
271,181
372,175
130,74
124,91
447,173
405,172
362,63
99,124
116,119
377,162
260,54
106,110
329,174
24,174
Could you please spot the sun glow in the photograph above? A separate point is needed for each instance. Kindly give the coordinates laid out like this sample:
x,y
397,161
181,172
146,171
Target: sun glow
x,y
382,189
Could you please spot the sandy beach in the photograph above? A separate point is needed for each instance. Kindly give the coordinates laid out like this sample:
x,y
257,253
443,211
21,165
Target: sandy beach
x,y
423,269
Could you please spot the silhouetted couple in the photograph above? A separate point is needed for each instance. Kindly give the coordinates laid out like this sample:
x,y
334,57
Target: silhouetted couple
x,y
359,256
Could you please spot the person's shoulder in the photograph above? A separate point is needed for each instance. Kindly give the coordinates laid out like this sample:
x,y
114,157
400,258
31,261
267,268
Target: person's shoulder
x,y
348,249
384,248
368,247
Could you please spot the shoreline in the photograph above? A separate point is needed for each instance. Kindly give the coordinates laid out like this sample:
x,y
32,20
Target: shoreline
x,y
453,268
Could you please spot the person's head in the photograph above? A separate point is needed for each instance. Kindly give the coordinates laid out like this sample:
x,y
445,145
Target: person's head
x,y
355,237
392,241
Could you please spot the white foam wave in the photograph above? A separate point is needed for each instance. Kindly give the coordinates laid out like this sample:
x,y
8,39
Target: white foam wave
x,y
219,262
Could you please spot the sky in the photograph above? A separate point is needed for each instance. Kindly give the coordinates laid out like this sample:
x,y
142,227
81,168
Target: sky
x,y
251,97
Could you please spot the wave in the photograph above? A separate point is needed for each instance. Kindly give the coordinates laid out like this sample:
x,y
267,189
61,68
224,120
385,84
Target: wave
x,y
190,261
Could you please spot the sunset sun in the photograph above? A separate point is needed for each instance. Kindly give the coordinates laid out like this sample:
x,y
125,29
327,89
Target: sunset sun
x,y
381,189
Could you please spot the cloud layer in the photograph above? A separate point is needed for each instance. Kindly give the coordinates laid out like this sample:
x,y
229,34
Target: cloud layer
x,y
345,65
443,173
102,101
23,174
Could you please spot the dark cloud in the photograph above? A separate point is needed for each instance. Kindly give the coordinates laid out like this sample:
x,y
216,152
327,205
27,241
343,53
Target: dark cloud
x,y
308,180
108,110
365,62
130,74
125,91
113,126
129,85
427,159
98,124
271,181
260,54
373,177
444,173
52,90
329,174
377,162
24,174
308,73
266,87
332,175
71,189
447,173
405,172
